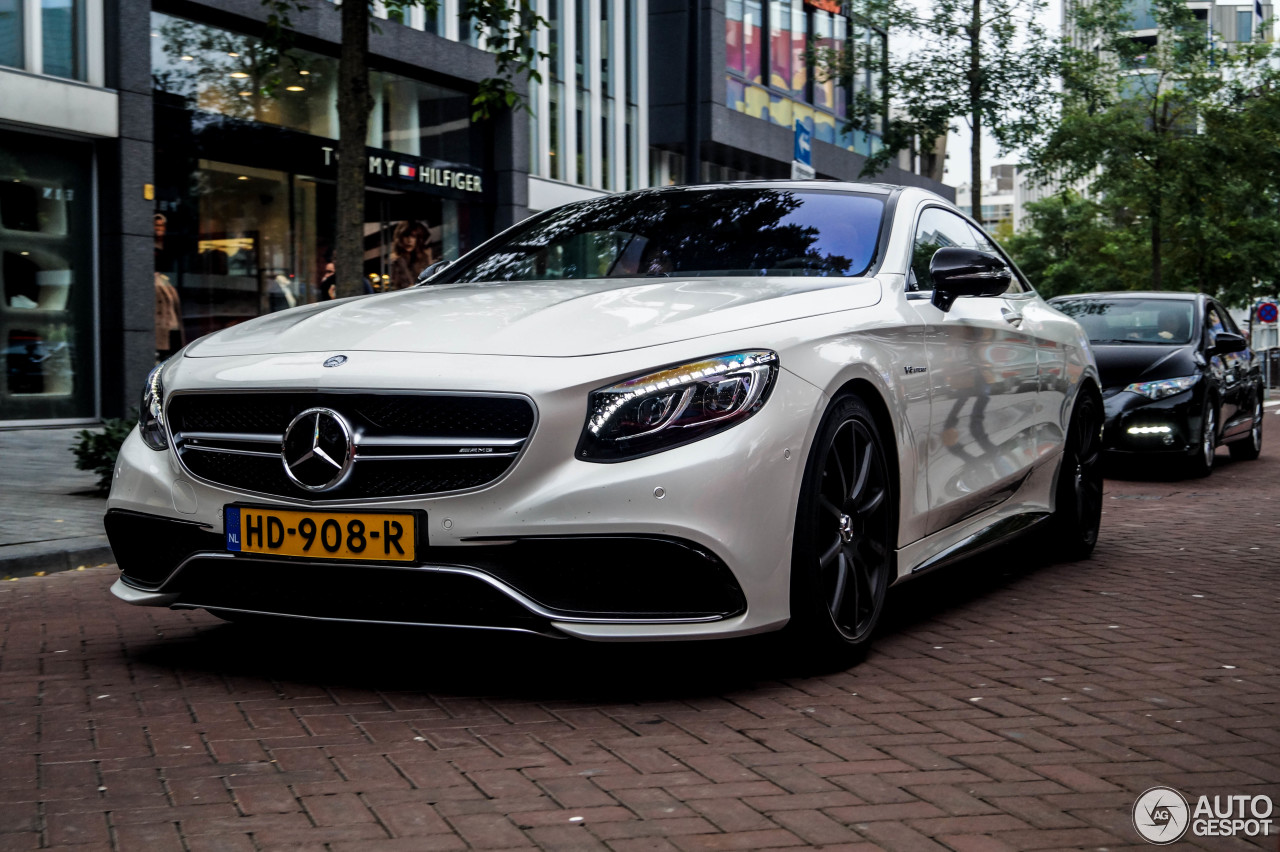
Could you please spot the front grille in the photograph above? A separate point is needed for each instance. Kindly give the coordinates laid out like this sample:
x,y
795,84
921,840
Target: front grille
x,y
405,444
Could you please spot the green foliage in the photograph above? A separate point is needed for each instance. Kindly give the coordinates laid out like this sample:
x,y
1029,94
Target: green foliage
x,y
97,451
1072,247
1175,147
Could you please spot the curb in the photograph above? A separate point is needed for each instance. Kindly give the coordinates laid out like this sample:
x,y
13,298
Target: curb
x,y
47,557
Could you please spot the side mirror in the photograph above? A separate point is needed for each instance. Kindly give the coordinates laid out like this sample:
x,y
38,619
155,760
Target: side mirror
x,y
432,270
966,272
1227,343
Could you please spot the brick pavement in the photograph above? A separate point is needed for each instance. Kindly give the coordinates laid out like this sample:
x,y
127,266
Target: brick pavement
x,y
1010,704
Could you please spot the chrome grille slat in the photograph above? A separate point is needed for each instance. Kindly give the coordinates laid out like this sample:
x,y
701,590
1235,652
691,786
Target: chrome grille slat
x,y
441,442
230,450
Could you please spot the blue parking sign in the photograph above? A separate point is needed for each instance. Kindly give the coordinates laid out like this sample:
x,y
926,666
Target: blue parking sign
x,y
804,144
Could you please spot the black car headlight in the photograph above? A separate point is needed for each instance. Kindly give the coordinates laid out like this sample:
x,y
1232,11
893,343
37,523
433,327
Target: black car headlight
x,y
1163,387
676,405
151,412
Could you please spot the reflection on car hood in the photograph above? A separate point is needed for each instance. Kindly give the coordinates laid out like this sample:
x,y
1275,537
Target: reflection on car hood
x,y
1123,364
549,318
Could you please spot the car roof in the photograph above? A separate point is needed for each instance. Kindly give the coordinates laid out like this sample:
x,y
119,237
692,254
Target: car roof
x,y
1117,295
874,188
851,186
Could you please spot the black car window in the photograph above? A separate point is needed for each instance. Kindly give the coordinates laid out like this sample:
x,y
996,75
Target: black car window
x,y
735,232
1108,321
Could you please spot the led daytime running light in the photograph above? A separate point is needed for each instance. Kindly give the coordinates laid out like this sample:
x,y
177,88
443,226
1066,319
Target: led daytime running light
x,y
151,412
675,405
674,378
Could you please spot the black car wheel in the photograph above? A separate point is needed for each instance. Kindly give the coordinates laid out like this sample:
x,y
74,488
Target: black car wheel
x,y
1201,463
1250,448
846,531
1077,513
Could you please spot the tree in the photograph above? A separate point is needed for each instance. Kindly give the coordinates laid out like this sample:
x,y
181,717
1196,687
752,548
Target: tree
x,y
1075,242
1175,144
987,61
507,28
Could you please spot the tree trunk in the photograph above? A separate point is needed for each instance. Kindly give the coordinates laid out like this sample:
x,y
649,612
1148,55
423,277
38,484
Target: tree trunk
x,y
1155,245
354,103
975,99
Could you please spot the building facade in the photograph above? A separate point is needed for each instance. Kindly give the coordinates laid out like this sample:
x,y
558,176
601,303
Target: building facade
x,y
998,200
164,173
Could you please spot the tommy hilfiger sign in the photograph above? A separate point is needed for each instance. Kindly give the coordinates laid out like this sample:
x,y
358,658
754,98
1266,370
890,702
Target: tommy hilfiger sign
x,y
416,170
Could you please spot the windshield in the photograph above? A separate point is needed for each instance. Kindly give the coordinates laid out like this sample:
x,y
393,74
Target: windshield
x,y
1131,320
739,231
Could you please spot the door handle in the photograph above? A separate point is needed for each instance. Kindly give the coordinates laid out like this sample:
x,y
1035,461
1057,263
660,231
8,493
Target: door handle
x,y
1012,317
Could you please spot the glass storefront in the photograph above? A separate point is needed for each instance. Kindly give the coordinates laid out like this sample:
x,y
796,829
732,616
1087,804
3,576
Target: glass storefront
x,y
245,163
769,73
46,277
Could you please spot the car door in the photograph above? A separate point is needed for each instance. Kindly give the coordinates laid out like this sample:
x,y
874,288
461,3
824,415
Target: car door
x,y
1228,370
984,383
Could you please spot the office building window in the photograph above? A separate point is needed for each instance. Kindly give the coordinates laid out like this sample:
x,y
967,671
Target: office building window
x,y
795,90
780,45
799,46
51,37
1244,24
46,278
11,48
62,38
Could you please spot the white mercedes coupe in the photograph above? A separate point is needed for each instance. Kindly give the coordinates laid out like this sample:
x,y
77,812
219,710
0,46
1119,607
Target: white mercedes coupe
x,y
678,413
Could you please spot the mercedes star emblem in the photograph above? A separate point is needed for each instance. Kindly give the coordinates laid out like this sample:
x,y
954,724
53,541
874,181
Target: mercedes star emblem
x,y
335,361
317,449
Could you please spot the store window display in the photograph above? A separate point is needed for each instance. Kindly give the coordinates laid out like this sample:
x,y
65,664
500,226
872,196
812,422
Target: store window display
x,y
46,278
246,175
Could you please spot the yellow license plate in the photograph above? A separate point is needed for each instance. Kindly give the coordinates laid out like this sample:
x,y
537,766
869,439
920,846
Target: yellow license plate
x,y
376,536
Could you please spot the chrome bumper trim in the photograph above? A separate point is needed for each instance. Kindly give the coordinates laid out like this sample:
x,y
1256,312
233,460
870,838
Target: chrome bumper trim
x,y
534,608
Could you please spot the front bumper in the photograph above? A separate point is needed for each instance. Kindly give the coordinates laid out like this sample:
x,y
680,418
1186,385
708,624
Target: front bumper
x,y
527,584
1136,425
689,543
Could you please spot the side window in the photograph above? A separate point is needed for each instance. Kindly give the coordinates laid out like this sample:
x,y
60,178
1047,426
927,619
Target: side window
x,y
936,229
1229,323
1213,322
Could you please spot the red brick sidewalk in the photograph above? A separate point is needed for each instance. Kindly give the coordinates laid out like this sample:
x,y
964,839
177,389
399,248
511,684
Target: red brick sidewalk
x,y
1011,704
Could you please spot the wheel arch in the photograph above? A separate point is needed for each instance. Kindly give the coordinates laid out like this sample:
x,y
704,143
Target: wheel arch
x,y
869,393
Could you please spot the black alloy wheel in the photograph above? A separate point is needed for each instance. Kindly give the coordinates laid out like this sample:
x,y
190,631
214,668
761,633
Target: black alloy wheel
x,y
1201,462
846,532
1248,449
1077,513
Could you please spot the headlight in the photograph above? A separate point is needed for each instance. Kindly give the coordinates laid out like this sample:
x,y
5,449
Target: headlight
x,y
1162,388
675,405
151,412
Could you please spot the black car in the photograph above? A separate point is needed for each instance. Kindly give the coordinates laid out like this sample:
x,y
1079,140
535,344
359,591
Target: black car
x,y
1178,377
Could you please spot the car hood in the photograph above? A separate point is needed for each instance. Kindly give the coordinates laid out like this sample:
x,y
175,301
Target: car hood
x,y
1122,364
545,318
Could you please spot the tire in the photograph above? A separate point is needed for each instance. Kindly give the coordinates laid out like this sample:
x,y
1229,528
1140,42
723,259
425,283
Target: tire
x,y
1201,463
1248,449
1077,508
846,531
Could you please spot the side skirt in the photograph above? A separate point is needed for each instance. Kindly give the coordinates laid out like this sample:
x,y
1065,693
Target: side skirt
x,y
984,539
